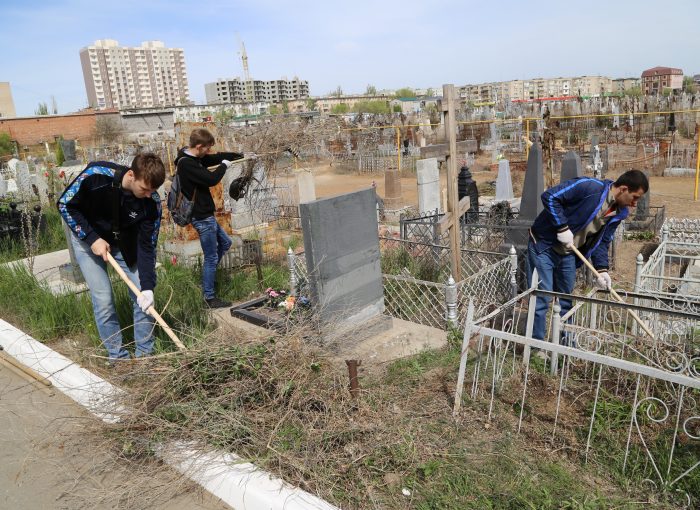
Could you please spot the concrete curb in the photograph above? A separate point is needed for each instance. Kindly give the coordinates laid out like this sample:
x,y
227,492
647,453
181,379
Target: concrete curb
x,y
237,483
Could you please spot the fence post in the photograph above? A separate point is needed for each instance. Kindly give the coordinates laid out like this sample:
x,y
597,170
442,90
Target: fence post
x,y
637,286
556,331
513,270
662,263
532,303
291,261
451,302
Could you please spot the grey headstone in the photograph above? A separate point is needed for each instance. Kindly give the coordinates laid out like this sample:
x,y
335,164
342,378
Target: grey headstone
x,y
24,181
504,182
428,178
68,147
3,186
571,166
642,210
342,255
42,186
307,187
533,187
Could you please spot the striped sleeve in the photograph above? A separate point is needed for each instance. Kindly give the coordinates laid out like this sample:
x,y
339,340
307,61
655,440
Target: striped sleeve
x,y
70,200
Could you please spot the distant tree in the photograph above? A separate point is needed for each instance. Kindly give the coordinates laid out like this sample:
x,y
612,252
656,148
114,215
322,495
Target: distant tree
x,y
285,107
6,145
224,116
397,108
274,110
430,92
689,85
634,92
54,106
108,130
371,90
340,108
372,107
405,92
310,104
42,109
338,92
666,91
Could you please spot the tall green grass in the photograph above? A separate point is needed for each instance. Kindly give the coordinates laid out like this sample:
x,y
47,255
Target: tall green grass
x,y
50,238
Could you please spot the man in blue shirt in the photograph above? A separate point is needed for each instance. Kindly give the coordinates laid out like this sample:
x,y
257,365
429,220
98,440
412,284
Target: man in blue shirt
x,y
584,212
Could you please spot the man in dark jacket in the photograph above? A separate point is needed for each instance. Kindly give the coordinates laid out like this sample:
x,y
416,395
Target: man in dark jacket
x,y
114,209
584,212
195,179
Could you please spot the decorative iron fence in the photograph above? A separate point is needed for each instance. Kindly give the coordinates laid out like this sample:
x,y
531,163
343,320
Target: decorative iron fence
x,y
621,400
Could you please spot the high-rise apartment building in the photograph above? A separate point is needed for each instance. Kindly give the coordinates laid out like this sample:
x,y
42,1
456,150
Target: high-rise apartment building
x,y
145,76
7,105
274,91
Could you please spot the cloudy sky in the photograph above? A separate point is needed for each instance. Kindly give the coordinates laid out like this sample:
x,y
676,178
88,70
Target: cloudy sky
x,y
351,44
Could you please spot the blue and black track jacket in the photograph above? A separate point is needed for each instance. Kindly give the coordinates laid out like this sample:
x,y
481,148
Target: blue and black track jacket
x,y
87,206
573,204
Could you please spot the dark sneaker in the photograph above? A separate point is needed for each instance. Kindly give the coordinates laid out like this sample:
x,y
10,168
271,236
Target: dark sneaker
x,y
215,302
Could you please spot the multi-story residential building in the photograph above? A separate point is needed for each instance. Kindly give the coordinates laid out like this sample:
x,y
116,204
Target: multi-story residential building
x,y
623,84
7,105
537,88
656,79
146,76
233,90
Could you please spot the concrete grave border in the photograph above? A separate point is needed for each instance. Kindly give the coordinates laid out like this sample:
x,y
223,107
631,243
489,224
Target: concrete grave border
x,y
238,483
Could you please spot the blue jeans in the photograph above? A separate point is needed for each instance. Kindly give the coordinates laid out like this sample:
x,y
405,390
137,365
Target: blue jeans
x,y
215,242
95,272
555,272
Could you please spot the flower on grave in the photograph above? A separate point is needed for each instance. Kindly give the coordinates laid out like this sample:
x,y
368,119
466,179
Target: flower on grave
x,y
273,294
62,174
173,260
288,304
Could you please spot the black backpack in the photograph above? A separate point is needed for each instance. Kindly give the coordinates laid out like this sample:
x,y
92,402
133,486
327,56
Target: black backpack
x,y
179,206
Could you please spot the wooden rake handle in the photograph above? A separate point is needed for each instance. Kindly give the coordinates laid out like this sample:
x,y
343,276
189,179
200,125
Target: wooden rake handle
x,y
234,162
152,311
612,291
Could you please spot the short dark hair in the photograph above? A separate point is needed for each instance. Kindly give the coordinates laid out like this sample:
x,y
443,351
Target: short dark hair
x,y
201,136
149,168
634,180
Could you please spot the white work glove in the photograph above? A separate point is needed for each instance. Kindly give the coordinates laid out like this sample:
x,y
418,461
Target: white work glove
x,y
566,237
145,300
604,281
227,163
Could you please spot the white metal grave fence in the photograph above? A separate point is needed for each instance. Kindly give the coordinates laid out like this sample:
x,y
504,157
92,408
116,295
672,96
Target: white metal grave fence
x,y
441,304
621,400
671,274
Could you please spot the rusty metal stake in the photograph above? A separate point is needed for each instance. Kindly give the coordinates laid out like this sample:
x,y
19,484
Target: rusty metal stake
x,y
352,372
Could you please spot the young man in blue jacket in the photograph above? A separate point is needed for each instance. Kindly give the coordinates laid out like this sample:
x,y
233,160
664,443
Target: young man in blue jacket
x,y
114,209
584,212
196,179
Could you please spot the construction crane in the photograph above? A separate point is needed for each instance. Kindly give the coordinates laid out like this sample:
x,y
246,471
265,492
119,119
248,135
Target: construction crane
x,y
247,81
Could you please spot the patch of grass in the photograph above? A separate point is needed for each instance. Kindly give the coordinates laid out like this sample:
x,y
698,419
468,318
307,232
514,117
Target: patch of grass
x,y
396,260
34,309
50,238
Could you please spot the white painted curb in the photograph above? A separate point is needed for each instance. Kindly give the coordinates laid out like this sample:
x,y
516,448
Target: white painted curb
x,y
237,483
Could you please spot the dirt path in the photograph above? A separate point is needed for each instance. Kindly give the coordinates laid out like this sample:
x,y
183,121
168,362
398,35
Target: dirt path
x,y
52,458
